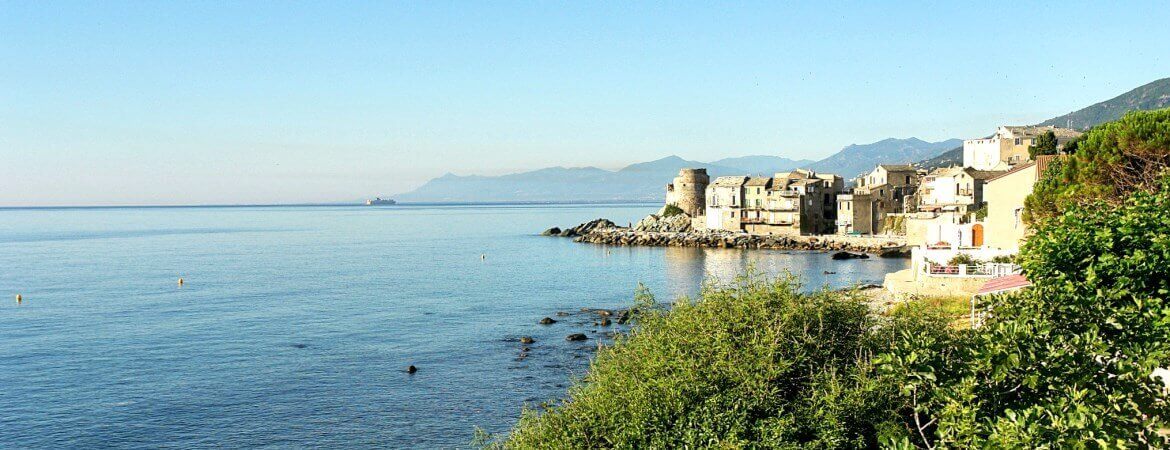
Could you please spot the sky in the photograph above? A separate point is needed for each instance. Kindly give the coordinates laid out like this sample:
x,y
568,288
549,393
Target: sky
x,y
151,103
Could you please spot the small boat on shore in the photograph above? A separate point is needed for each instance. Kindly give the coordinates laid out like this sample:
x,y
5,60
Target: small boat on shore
x,y
379,201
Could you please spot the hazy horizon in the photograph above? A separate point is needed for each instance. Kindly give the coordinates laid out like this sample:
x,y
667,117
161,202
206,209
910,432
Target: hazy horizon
x,y
269,103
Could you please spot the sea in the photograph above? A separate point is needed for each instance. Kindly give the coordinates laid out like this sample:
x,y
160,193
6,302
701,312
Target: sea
x,y
294,325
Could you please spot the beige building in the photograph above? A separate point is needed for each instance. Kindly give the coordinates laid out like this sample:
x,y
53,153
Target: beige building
x,y
1005,193
725,201
854,214
890,189
800,202
953,189
755,194
1009,146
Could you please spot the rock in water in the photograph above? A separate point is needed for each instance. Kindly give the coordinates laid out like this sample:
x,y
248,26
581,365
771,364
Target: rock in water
x,y
847,255
551,232
411,369
895,252
547,321
527,340
576,337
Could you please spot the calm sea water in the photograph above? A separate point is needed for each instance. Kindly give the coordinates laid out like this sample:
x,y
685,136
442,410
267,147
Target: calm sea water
x,y
296,323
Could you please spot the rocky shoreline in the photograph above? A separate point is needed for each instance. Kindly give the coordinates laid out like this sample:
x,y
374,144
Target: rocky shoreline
x,y
605,232
627,237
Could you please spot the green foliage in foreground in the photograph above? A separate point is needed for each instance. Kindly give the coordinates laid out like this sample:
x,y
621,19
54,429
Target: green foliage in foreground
x,y
1068,363
755,364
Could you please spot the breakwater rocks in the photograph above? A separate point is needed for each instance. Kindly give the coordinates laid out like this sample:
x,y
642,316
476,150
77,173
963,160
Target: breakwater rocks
x,y
715,239
582,229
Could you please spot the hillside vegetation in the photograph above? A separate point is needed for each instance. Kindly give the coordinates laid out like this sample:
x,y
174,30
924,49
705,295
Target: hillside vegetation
x,y
1072,362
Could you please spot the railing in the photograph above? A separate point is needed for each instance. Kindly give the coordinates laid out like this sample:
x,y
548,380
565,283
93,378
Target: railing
x,y
990,270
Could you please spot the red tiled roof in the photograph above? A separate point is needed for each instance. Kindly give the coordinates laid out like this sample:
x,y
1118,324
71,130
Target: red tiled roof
x,y
1042,163
1004,284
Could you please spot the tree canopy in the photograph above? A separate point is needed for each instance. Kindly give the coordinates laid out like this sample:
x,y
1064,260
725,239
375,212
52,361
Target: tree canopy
x,y
1110,162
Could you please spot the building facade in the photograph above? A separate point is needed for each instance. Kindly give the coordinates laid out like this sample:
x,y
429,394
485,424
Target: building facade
x,y
1009,146
889,189
725,200
953,189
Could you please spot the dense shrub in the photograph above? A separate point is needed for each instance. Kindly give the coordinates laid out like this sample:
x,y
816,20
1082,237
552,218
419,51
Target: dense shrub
x,y
755,364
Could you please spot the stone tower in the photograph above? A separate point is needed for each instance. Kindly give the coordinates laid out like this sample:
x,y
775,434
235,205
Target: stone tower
x,y
689,191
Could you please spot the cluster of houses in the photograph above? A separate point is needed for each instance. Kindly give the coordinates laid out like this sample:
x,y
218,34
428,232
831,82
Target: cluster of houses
x,y
975,209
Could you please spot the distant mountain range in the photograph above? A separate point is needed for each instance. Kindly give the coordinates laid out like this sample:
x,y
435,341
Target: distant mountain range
x,y
1154,95
857,159
641,181
647,180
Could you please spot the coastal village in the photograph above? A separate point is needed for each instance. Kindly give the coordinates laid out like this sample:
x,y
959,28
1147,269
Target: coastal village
x,y
960,225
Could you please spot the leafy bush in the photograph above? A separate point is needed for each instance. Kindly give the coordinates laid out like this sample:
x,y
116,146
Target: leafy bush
x,y
1110,162
752,364
981,213
1067,363
1004,259
962,258
671,210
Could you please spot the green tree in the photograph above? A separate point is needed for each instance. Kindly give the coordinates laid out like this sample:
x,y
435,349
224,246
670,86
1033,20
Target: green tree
x,y
1111,161
1045,145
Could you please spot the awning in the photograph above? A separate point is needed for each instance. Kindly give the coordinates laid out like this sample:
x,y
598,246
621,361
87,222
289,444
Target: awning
x,y
1004,284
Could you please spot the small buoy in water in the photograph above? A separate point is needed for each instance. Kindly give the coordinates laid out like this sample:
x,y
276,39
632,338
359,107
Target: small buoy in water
x,y
19,298
411,369
180,281
482,257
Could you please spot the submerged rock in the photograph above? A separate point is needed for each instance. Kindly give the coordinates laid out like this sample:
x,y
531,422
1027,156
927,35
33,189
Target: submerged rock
x,y
576,337
547,321
527,340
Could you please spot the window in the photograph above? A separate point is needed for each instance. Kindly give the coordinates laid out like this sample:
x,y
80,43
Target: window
x,y
907,179
1017,141
1018,213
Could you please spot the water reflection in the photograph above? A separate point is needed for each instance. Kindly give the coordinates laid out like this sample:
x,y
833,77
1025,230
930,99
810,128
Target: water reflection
x,y
687,267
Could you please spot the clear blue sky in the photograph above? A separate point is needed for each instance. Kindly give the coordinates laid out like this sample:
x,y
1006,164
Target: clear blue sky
x,y
258,102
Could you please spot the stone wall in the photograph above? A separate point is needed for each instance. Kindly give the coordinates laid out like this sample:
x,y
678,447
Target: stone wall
x,y
689,191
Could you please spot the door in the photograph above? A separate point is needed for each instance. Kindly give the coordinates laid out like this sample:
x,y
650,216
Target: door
x,y
977,235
